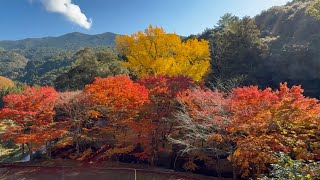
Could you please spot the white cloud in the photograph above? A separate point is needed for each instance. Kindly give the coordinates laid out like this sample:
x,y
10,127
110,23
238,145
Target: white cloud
x,y
71,11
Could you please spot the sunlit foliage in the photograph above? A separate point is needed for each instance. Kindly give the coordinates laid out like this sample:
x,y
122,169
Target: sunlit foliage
x,y
314,9
5,83
154,52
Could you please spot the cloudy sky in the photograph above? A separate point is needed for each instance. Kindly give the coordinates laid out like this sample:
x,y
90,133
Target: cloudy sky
x,y
39,18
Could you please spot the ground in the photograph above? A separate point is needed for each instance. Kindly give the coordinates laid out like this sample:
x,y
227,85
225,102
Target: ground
x,y
73,170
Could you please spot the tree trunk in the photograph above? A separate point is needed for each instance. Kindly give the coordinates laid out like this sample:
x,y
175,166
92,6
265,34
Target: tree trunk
x,y
234,172
154,150
78,138
77,145
22,147
48,149
30,151
218,167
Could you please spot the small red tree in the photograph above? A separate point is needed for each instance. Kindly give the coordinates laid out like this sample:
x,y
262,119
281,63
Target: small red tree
x,y
32,113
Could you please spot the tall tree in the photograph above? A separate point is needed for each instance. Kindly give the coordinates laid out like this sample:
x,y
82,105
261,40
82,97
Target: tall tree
x,y
154,52
5,83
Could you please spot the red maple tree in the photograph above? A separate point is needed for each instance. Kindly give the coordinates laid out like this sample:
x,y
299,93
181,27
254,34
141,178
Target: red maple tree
x,y
32,114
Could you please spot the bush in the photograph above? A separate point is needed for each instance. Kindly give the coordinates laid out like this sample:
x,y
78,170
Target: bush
x,y
287,168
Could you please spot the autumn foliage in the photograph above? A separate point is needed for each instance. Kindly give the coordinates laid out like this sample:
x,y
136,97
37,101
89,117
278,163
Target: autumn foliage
x,y
269,121
73,109
154,52
5,83
167,111
118,101
163,91
117,94
32,112
202,126
117,116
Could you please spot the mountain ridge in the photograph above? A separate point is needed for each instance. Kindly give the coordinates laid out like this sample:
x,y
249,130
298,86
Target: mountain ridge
x,y
70,41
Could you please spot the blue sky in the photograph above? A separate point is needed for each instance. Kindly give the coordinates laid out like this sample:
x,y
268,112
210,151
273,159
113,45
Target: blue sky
x,y
30,18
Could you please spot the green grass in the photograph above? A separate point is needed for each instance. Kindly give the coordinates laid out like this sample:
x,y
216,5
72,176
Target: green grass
x,y
8,153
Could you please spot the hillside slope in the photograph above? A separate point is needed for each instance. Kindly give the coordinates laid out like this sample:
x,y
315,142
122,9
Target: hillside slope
x,y
290,23
294,53
11,63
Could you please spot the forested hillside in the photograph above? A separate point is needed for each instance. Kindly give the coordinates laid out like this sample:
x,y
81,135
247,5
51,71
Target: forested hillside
x,y
12,63
294,54
279,45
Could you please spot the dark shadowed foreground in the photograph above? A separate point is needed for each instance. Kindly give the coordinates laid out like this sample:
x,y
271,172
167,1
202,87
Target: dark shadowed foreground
x,y
69,170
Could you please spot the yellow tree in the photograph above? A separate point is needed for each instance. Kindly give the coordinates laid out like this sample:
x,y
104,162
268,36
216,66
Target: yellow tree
x,y
5,83
154,52
314,9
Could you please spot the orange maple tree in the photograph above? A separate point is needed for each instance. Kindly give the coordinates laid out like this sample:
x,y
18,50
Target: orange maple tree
x,y
267,121
118,101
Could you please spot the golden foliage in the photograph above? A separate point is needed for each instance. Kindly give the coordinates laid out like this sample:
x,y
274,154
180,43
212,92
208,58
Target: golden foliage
x,y
85,154
253,155
5,83
314,9
154,52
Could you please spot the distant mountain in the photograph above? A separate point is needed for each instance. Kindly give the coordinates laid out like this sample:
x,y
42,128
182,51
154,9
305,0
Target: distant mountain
x,y
72,41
